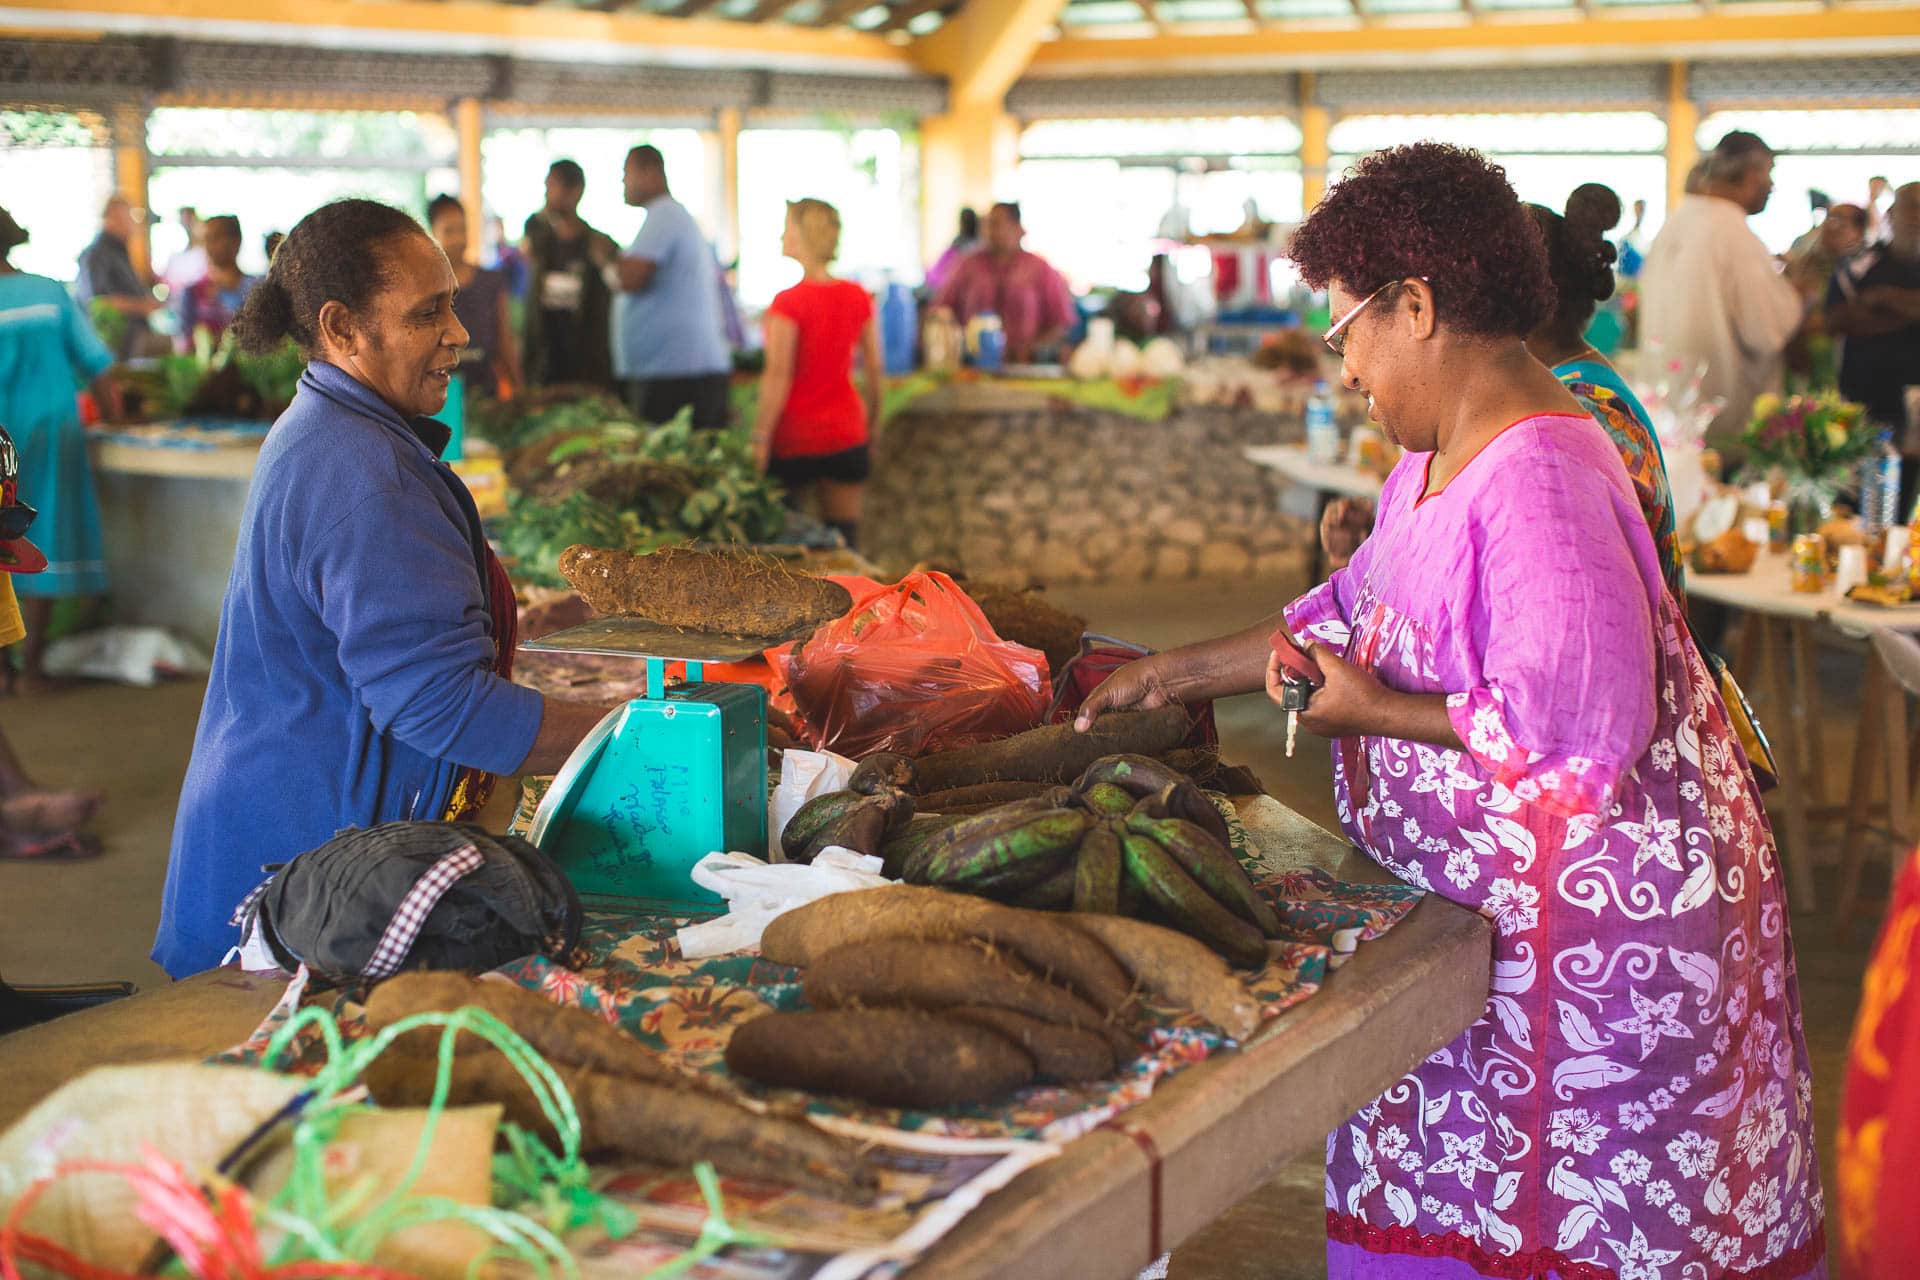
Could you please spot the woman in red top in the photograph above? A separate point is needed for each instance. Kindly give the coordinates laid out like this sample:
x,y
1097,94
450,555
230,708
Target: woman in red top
x,y
812,430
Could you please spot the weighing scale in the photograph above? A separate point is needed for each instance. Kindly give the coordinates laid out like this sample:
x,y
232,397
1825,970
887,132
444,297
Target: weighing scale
x,y
668,778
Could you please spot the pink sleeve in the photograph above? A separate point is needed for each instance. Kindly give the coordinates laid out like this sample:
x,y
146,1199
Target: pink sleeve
x,y
1561,631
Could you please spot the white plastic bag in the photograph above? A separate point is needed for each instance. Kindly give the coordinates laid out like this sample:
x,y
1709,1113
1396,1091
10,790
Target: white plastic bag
x,y
757,891
131,655
803,776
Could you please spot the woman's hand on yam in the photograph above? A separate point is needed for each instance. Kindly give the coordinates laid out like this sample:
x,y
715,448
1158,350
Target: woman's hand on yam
x,y
1145,684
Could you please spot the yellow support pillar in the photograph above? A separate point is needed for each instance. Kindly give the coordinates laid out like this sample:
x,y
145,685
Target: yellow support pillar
x,y
727,125
1683,122
967,156
1315,122
469,124
130,178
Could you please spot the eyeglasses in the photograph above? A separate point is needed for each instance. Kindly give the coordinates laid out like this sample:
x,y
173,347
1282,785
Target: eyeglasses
x,y
1336,337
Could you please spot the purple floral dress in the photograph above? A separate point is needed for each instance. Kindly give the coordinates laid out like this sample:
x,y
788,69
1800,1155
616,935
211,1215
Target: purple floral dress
x,y
1634,1103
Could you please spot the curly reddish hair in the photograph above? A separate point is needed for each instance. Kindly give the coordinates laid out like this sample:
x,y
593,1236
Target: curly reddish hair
x,y
1438,211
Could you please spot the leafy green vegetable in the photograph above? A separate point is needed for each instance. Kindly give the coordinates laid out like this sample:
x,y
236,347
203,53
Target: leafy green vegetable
x,y
614,482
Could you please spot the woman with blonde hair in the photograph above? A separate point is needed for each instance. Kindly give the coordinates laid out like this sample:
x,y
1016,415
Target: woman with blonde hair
x,y
812,431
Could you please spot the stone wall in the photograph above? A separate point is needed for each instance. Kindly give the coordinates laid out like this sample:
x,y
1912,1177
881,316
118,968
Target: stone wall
x,y
1015,486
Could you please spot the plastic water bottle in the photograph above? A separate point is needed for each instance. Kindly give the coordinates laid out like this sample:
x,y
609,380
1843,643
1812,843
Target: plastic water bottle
x,y
1323,431
899,325
1880,489
992,340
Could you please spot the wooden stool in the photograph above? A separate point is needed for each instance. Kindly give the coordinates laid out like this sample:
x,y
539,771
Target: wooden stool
x,y
1888,745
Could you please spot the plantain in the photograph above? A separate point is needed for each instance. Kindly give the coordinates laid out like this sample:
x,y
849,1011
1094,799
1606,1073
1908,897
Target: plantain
x,y
1040,884
1096,883
1210,863
1107,799
884,770
1189,907
898,846
958,866
1137,775
1055,893
815,814
1186,801
981,825
861,829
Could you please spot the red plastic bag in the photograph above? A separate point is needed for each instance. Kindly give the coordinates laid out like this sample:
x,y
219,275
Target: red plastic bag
x,y
915,668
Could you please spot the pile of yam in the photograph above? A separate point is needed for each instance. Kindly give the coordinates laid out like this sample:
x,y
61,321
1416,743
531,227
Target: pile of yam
x,y
928,999
631,1104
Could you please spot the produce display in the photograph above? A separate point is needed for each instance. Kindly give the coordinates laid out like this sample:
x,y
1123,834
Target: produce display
x,y
629,1104
215,382
583,470
1131,837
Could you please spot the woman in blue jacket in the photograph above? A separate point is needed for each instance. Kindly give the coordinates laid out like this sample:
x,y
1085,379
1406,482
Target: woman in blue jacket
x,y
361,671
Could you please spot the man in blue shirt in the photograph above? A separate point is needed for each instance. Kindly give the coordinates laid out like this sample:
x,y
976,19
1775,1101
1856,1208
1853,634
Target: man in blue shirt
x,y
669,347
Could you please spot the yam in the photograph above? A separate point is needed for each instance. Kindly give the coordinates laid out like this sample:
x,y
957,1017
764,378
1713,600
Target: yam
x,y
1183,971
703,590
904,973
671,1126
1053,753
980,796
892,1057
1043,942
1064,1055
562,1035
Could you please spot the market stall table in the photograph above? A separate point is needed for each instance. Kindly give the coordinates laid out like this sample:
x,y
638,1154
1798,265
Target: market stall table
x,y
1327,480
1117,1197
1781,629
171,498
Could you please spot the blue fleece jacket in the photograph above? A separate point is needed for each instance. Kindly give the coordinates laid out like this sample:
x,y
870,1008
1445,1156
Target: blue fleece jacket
x,y
353,676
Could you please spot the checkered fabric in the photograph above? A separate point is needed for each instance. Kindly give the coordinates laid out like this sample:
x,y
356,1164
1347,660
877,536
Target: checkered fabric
x,y
414,909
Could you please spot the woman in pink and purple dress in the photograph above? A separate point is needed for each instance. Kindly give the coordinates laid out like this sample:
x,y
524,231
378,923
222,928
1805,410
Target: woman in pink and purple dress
x,y
1522,724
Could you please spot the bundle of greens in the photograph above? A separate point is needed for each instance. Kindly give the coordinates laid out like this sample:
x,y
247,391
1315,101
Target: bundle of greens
x,y
584,471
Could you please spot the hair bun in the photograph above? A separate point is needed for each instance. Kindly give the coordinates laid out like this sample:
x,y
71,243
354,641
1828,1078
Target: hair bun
x,y
266,317
1593,210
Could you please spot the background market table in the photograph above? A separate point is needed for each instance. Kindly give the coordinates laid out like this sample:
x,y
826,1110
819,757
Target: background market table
x,y
1328,480
1115,1198
1781,627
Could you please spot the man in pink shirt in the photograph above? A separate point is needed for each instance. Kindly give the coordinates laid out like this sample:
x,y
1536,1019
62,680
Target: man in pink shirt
x,y
1028,295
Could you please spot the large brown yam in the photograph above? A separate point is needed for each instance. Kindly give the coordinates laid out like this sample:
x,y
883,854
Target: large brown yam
x,y
893,1057
903,973
1183,971
1055,752
1064,1055
673,1127
563,1036
703,590
1044,943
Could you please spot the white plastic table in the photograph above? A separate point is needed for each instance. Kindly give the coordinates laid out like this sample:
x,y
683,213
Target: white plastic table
x,y
1328,480
1780,630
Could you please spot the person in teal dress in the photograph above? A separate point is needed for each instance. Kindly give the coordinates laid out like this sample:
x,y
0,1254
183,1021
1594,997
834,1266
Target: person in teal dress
x,y
47,351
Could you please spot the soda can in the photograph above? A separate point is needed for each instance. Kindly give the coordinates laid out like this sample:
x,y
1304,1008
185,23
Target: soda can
x,y
1777,526
1809,562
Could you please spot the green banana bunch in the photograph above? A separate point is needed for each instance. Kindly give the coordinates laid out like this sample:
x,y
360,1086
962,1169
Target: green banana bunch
x,y
1131,837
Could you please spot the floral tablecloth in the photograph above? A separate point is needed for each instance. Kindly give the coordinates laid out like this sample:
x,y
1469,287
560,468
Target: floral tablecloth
x,y
635,978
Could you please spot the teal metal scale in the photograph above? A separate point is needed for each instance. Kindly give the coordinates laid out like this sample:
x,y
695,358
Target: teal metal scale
x,y
665,780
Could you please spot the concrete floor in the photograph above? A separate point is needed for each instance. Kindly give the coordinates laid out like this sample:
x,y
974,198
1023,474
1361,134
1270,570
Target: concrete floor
x,y
95,920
